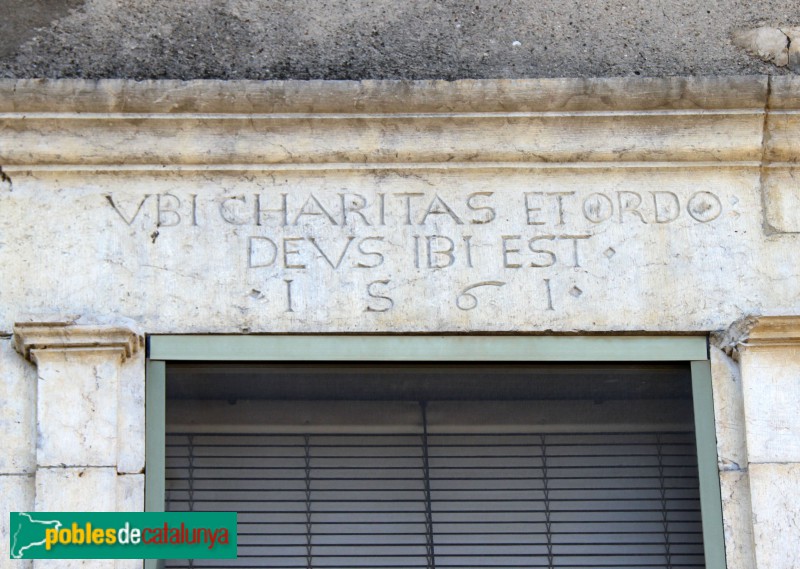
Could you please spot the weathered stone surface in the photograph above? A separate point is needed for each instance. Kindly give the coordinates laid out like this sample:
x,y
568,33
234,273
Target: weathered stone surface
x,y
769,44
782,199
130,416
776,517
781,181
74,340
387,124
17,412
130,493
86,384
784,93
33,337
538,201
793,34
22,21
349,97
770,360
737,515
783,129
76,489
88,490
17,493
728,411
461,249
338,39
79,369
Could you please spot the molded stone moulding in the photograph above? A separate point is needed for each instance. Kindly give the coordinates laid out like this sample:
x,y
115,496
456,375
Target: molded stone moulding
x,y
32,337
773,331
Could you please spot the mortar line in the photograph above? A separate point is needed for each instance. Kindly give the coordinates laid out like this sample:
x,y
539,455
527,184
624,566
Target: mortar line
x,y
449,166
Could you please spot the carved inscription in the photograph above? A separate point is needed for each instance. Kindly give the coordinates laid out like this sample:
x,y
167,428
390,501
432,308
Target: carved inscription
x,y
467,300
552,209
544,239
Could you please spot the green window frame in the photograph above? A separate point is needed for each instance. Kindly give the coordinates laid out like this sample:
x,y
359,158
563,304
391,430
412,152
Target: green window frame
x,y
486,349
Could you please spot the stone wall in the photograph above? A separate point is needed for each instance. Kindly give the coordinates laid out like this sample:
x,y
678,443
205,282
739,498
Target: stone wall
x,y
527,207
371,39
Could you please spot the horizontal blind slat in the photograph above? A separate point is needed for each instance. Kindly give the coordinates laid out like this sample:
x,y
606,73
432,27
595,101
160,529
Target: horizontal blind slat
x,y
588,500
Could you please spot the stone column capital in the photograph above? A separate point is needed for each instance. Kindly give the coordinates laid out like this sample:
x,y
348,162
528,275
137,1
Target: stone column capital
x,y
31,337
772,332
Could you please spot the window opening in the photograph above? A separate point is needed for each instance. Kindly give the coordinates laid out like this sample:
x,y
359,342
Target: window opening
x,y
432,466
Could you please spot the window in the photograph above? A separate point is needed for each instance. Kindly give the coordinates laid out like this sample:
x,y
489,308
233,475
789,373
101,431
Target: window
x,y
448,465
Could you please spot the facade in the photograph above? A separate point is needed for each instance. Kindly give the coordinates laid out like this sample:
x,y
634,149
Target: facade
x,y
572,220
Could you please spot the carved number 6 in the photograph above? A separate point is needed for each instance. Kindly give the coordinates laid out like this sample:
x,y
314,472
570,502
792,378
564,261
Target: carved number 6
x,y
467,301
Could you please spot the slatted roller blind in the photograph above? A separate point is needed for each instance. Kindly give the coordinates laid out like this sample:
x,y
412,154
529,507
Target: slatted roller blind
x,y
463,499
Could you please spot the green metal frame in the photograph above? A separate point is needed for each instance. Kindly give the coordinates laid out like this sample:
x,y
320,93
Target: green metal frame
x,y
304,348
429,348
706,440
154,441
155,434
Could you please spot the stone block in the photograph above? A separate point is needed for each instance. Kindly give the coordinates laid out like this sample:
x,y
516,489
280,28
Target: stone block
x,y
782,198
503,261
77,407
775,489
76,489
737,519
771,389
88,489
17,412
131,416
130,493
728,411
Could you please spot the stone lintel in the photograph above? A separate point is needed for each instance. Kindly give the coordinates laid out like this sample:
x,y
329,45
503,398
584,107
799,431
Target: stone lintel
x,y
34,336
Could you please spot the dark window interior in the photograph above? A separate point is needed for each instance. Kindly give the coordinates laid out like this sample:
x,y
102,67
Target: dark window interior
x,y
450,465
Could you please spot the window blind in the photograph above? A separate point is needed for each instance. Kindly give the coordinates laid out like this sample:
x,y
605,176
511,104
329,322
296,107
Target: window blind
x,y
459,493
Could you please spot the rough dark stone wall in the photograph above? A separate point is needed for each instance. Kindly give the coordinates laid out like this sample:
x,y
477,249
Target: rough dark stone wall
x,y
19,20
360,39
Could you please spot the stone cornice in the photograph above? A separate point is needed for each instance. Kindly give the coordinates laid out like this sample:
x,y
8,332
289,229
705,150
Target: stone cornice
x,y
31,336
674,122
379,97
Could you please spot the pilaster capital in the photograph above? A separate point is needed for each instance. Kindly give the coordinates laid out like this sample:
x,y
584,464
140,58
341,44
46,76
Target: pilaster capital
x,y
772,332
30,337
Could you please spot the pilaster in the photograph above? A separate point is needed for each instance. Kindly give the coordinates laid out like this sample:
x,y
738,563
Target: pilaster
x,y
83,415
770,363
